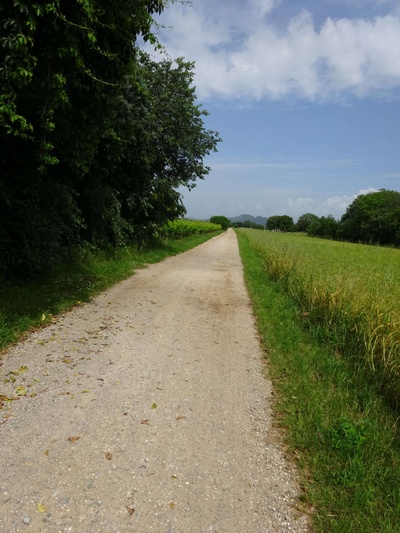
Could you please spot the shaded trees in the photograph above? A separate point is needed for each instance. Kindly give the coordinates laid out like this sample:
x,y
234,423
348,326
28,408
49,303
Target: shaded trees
x,y
326,227
281,223
304,221
373,218
224,222
94,136
157,143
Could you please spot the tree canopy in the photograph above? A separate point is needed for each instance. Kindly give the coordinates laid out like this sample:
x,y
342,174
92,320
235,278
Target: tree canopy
x,y
325,227
281,223
223,221
373,218
95,137
304,221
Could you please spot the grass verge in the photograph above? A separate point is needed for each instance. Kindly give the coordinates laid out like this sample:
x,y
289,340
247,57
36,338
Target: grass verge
x,y
30,305
342,435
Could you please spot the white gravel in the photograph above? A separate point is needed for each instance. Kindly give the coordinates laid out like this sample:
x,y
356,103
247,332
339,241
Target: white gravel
x,y
147,410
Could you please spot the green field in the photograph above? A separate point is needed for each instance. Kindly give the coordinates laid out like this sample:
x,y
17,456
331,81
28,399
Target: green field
x,y
177,229
328,315
349,293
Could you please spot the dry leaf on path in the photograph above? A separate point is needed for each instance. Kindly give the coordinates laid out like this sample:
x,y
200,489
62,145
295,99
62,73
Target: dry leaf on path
x,y
73,439
130,510
6,399
108,456
41,508
145,422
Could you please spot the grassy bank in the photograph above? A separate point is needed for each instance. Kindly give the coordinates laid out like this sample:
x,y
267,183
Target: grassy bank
x,y
340,430
348,294
29,305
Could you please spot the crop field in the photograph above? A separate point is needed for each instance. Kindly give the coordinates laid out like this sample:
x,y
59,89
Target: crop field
x,y
177,229
349,292
328,316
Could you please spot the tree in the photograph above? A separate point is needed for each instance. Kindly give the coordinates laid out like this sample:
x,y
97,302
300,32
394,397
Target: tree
x,y
107,134
304,221
158,143
61,66
325,227
224,222
373,218
280,223
62,61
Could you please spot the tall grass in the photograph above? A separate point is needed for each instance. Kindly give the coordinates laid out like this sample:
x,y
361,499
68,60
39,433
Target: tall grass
x,y
349,294
339,429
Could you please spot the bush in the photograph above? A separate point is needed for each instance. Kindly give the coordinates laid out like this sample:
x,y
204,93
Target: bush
x,y
221,220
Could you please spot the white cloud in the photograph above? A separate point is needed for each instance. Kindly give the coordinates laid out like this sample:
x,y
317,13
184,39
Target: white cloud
x,y
263,7
239,53
302,204
337,205
365,191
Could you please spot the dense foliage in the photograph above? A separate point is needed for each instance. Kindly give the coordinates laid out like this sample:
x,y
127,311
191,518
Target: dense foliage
x,y
372,218
304,221
95,137
224,222
247,224
326,227
280,223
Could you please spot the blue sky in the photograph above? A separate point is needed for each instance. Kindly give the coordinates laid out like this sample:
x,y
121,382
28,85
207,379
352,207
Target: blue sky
x,y
305,95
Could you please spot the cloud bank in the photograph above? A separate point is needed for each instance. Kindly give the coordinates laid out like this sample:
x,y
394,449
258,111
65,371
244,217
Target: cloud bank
x,y
241,53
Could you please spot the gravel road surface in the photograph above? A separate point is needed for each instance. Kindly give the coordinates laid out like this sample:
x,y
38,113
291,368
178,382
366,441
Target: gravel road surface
x,y
147,410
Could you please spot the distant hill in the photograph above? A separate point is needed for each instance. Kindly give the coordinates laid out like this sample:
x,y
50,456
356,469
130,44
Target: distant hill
x,y
250,218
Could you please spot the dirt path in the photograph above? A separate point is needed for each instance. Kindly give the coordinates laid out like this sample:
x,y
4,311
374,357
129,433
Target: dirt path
x,y
146,410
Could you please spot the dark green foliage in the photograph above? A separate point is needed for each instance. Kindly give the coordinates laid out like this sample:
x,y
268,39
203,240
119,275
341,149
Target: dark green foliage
x,y
94,136
304,221
247,224
326,227
345,436
280,223
224,222
373,218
